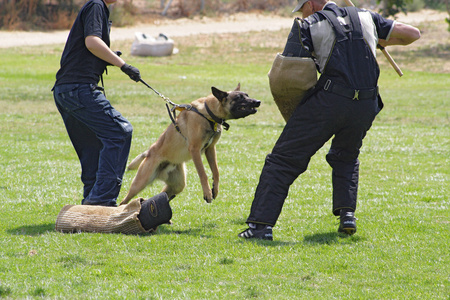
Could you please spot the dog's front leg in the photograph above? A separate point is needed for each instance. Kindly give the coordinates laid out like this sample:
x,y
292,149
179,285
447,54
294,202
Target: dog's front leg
x,y
197,159
212,161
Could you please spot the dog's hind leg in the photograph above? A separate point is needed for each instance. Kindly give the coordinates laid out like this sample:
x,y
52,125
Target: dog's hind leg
x,y
145,175
175,181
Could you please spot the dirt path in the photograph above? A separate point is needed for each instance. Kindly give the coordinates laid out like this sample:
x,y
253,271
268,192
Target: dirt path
x,y
172,28
185,27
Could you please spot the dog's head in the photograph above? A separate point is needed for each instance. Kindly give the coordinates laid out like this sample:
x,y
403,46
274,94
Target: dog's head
x,y
238,104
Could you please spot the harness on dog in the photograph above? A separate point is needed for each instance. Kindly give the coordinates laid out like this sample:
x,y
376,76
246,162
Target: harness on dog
x,y
180,107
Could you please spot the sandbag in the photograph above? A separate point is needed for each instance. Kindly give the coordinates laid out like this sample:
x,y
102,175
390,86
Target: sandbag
x,y
144,45
289,79
136,217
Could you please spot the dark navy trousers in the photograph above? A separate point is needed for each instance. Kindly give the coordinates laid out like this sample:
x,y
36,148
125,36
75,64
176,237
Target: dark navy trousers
x,y
101,137
312,124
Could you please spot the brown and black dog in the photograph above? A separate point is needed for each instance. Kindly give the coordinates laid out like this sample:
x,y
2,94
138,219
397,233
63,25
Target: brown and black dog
x,y
196,130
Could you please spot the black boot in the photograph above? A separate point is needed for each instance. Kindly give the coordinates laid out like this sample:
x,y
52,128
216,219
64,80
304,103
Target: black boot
x,y
257,231
347,222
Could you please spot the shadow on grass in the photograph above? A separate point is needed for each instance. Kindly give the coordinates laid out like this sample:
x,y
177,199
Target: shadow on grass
x,y
32,230
190,231
330,238
266,243
40,229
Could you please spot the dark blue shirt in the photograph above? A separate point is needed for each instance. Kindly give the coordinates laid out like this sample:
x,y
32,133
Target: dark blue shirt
x,y
78,64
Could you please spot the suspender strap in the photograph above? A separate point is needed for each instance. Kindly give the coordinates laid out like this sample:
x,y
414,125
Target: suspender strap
x,y
356,23
341,31
337,27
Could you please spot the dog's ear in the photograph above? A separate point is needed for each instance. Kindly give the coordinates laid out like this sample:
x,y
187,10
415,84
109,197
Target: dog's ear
x,y
220,95
238,88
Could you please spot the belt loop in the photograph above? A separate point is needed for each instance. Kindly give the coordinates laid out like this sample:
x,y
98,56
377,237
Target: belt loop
x,y
327,85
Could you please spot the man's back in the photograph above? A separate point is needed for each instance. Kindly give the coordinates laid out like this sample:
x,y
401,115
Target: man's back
x,y
343,41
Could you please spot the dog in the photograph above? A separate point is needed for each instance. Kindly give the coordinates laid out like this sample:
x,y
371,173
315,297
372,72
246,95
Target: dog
x,y
196,130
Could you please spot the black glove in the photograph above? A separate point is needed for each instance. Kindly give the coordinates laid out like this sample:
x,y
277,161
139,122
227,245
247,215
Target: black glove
x,y
131,71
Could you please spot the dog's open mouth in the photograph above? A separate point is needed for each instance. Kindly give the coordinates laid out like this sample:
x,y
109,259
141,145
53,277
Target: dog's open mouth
x,y
244,109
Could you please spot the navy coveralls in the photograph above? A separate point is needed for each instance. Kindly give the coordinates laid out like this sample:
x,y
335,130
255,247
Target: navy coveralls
x,y
100,135
343,104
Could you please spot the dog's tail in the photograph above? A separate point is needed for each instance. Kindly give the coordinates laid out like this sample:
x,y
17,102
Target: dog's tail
x,y
135,163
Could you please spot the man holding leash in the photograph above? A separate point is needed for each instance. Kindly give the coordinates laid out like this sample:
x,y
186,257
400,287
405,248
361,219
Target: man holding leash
x,y
343,104
100,135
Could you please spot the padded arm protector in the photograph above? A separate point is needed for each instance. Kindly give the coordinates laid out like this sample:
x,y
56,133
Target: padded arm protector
x,y
294,47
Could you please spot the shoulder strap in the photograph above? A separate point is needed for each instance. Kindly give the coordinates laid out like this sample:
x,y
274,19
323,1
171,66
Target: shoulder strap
x,y
340,30
356,23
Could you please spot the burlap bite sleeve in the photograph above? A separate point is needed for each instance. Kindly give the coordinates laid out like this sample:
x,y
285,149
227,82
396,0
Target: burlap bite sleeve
x,y
290,78
90,218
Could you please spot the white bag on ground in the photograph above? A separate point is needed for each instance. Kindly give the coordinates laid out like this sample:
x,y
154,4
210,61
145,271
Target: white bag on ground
x,y
144,45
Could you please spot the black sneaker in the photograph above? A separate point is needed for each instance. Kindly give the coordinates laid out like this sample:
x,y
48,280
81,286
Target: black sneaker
x,y
254,232
348,222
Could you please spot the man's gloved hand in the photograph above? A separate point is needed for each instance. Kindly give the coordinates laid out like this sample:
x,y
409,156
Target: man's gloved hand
x,y
131,71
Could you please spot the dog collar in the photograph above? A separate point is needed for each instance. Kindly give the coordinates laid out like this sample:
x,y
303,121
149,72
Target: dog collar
x,y
222,122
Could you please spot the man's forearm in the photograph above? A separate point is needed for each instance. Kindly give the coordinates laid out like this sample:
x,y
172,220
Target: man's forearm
x,y
101,50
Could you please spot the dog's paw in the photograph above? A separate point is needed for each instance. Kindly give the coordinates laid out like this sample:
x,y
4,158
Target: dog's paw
x,y
124,202
215,191
208,198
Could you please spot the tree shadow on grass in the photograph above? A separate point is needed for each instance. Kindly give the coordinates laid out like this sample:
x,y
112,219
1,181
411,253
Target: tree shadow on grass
x,y
32,230
330,238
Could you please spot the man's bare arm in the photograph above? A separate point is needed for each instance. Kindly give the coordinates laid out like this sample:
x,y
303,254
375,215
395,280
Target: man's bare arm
x,y
402,34
98,47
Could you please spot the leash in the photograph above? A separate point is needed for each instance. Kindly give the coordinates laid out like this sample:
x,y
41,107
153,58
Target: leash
x,y
158,93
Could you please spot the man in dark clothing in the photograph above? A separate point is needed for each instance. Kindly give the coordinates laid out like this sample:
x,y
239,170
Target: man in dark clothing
x,y
343,104
100,135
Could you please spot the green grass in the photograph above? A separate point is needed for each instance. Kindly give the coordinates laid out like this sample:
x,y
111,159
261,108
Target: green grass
x,y
399,252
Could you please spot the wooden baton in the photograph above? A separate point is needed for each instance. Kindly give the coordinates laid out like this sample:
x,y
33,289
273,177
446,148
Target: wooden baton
x,y
385,52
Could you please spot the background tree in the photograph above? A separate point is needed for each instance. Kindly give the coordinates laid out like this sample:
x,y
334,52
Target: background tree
x,y
392,7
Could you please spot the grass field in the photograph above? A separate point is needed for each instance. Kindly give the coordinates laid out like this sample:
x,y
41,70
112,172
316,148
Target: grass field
x,y
401,249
